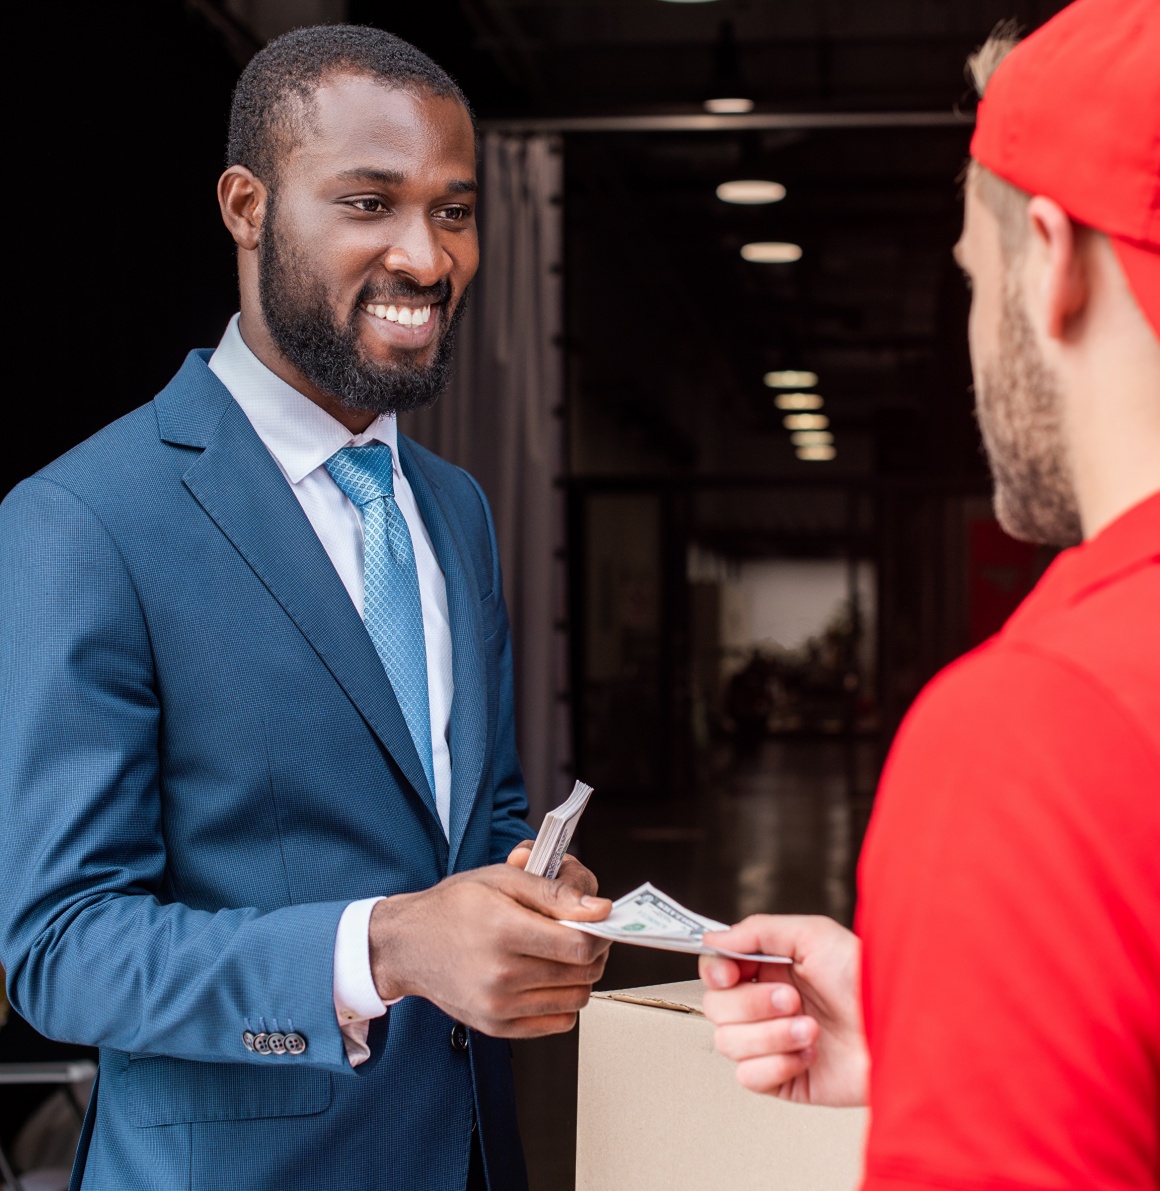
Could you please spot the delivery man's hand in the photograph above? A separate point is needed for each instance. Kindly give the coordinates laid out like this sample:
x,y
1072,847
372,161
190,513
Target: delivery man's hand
x,y
794,1031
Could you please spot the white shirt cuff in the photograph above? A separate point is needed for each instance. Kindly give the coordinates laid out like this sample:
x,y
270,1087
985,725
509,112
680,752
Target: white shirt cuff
x,y
356,1000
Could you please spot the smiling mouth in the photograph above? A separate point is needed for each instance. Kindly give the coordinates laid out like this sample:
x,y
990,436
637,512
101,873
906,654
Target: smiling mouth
x,y
405,316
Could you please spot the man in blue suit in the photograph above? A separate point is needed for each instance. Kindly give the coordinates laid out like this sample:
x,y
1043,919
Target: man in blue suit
x,y
258,777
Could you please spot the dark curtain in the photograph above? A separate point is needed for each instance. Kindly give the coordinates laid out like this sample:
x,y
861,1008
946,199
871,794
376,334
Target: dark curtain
x,y
502,420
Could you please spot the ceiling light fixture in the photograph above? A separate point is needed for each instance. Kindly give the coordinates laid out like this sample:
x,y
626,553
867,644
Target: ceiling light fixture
x,y
750,192
818,454
727,93
811,438
799,401
790,378
771,252
728,106
806,422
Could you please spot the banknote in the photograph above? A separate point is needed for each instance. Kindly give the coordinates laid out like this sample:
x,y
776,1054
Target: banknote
x,y
646,917
556,833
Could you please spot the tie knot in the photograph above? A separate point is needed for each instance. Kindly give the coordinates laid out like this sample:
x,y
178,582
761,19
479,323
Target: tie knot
x,y
363,473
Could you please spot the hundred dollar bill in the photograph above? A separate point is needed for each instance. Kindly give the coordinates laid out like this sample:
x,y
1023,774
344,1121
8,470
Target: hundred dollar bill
x,y
646,917
556,833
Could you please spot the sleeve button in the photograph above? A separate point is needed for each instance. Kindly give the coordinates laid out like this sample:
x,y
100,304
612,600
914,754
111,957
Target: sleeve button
x,y
262,1043
295,1043
248,1040
277,1043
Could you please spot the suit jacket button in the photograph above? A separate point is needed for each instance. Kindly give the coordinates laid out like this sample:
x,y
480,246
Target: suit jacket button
x,y
295,1043
248,1040
262,1043
459,1036
277,1043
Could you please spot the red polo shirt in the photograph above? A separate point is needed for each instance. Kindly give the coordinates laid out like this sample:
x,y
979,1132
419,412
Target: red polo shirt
x,y
1010,893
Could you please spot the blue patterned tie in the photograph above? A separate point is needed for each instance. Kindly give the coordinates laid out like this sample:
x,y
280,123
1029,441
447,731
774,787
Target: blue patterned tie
x,y
392,610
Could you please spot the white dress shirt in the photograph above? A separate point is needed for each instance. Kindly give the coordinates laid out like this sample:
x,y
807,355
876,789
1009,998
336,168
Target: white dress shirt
x,y
301,437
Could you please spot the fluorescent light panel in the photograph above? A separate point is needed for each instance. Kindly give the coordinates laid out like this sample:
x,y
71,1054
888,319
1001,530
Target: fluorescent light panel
x,y
806,422
811,438
771,252
726,105
799,401
818,454
791,378
750,192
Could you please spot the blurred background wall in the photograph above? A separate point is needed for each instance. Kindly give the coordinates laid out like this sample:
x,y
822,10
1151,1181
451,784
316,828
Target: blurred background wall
x,y
743,511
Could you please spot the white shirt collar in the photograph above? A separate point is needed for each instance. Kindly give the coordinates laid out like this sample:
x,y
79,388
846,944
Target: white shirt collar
x,y
300,435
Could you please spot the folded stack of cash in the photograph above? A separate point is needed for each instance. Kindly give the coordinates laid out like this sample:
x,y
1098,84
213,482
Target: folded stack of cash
x,y
647,917
556,833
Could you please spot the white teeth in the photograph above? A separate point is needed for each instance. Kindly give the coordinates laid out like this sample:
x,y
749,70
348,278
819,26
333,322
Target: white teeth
x,y
403,315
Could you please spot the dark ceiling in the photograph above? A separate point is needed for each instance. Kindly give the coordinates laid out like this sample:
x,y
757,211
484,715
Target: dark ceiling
x,y
669,331
556,57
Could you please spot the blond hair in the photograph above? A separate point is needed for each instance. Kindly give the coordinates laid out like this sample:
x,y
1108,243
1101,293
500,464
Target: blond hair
x,y
1006,202
985,60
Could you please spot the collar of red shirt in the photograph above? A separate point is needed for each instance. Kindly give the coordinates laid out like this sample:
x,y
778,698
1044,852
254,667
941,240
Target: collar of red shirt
x,y
1128,543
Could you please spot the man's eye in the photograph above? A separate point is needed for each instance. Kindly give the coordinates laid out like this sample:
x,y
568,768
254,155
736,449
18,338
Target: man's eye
x,y
372,206
454,214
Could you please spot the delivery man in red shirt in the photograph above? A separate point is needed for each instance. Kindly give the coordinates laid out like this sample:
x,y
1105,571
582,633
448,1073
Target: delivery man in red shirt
x,y
1010,884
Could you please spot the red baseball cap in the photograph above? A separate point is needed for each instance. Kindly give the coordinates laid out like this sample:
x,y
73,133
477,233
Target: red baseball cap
x,y
1073,113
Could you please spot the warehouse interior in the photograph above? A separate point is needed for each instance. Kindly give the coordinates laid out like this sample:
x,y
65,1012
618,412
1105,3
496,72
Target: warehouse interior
x,y
765,518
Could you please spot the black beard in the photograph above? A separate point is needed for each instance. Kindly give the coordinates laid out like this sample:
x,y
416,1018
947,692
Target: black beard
x,y
302,326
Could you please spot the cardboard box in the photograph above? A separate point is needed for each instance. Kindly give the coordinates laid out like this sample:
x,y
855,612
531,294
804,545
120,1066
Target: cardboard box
x,y
659,1110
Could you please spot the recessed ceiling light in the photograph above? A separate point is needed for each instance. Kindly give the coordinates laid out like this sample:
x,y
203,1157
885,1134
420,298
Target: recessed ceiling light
x,y
771,252
806,422
811,438
818,454
790,378
725,106
750,192
799,401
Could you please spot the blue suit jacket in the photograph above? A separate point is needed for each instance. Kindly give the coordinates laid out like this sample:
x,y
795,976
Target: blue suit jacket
x,y
201,763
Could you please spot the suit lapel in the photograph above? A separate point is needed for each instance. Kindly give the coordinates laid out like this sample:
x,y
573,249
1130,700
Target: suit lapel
x,y
237,482
469,711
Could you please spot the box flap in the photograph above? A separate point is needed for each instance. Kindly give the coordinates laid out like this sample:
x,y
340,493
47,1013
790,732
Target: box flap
x,y
681,997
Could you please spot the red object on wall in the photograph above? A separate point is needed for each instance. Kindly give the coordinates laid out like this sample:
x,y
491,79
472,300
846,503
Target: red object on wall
x,y
1001,572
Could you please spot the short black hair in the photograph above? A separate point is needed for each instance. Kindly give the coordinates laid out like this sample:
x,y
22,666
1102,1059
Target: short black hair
x,y
272,100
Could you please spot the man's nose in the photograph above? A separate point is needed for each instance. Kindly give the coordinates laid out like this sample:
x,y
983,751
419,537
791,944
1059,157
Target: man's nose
x,y
416,252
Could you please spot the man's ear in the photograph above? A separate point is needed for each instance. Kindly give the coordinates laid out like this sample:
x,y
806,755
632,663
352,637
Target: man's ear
x,y
1058,287
243,199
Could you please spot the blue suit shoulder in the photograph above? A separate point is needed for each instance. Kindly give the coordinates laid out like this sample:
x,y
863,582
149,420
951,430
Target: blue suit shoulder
x,y
100,460
126,461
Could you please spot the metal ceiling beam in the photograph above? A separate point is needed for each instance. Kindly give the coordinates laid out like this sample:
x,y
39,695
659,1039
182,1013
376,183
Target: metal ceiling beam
x,y
702,122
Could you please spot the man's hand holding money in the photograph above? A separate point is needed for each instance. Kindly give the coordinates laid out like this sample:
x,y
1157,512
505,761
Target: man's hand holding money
x,y
486,948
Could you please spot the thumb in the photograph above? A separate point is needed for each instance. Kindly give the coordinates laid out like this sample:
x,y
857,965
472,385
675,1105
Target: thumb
x,y
791,935
521,854
553,899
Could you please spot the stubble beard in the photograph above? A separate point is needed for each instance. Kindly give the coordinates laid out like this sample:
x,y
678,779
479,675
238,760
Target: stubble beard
x,y
1020,411
302,324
